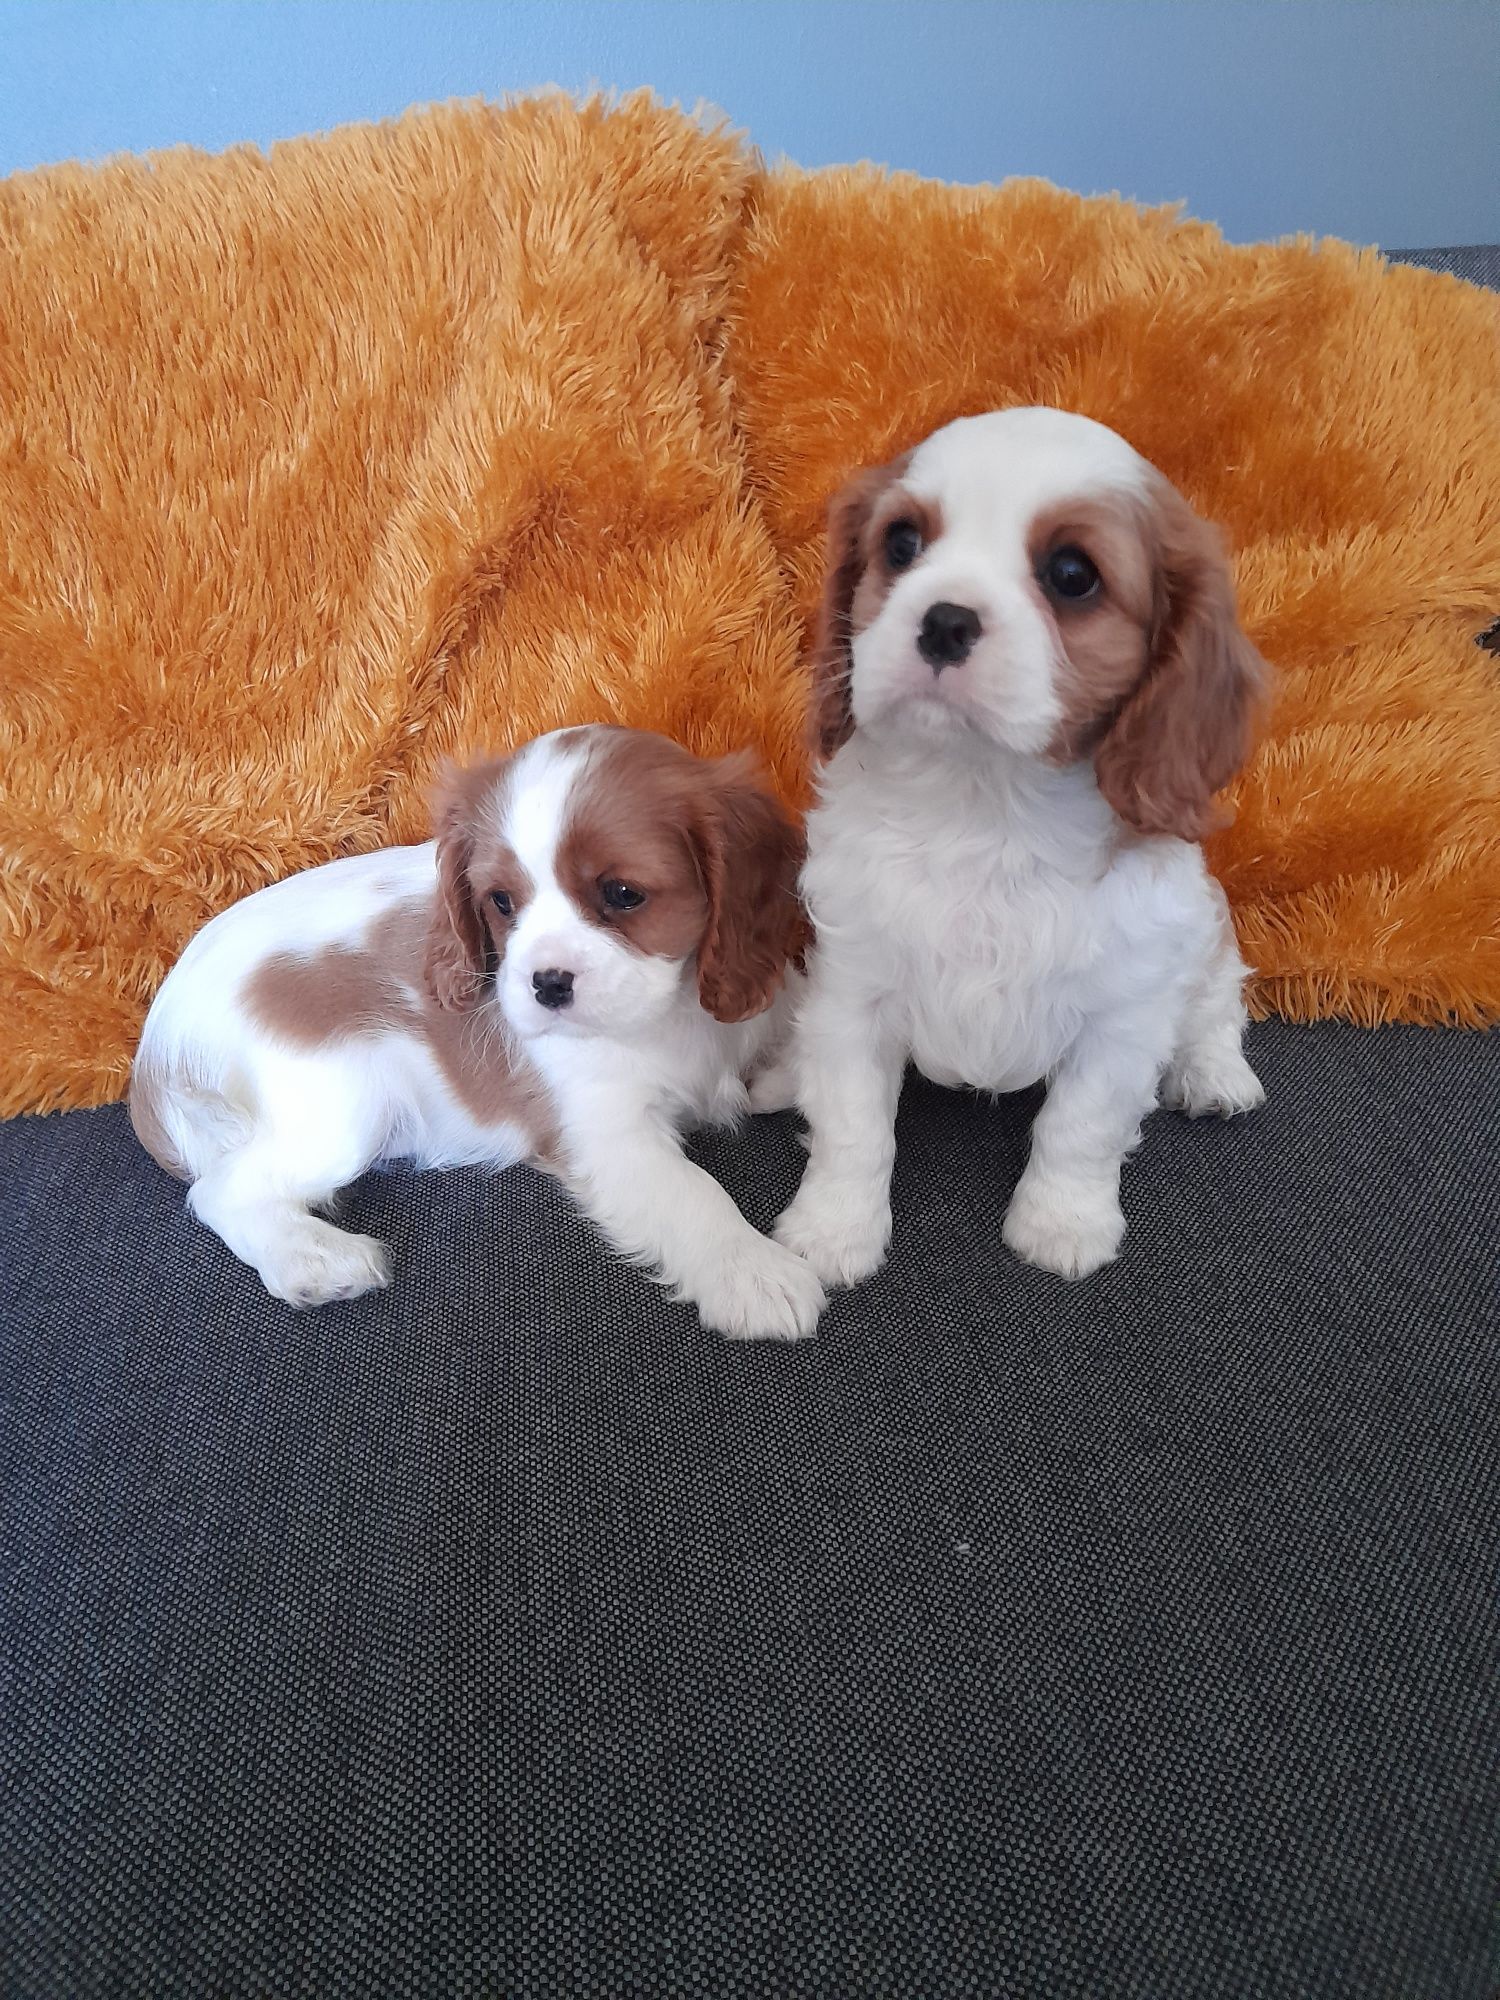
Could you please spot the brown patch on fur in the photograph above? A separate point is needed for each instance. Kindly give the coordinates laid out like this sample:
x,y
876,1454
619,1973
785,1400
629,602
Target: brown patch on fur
x,y
853,589
631,821
334,994
715,854
1184,729
1159,684
345,992
897,503
1106,641
466,935
750,852
893,504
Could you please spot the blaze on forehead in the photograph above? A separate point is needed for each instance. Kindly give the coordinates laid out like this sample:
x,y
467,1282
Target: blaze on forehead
x,y
1037,453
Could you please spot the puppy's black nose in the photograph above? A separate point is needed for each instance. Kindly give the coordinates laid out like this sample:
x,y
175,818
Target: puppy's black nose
x,y
553,988
947,635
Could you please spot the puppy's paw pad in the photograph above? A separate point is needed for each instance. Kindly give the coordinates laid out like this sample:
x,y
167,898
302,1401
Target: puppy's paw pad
x,y
323,1264
763,1294
843,1241
1213,1087
1061,1232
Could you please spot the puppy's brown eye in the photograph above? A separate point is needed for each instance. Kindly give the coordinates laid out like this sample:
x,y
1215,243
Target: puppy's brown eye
x,y
1069,575
502,901
903,544
620,896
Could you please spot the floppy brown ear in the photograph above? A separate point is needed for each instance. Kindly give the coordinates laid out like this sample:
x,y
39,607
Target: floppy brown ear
x,y
832,657
457,951
749,853
1185,727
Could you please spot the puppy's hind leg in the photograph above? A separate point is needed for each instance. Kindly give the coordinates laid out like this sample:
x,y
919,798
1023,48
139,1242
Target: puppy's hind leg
x,y
258,1199
1208,1076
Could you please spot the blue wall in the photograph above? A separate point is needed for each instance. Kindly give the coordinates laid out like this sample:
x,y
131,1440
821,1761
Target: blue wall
x,y
1371,119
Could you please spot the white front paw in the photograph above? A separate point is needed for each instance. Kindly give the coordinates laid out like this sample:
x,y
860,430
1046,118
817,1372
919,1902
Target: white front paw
x,y
1214,1085
760,1292
316,1264
841,1231
1063,1227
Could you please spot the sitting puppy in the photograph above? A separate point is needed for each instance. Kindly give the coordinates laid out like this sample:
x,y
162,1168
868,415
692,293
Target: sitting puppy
x,y
1029,684
580,967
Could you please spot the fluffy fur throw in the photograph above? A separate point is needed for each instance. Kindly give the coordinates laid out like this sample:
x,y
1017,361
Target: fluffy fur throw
x,y
422,438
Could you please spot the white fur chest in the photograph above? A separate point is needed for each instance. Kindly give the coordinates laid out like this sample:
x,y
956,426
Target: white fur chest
x,y
983,905
686,1071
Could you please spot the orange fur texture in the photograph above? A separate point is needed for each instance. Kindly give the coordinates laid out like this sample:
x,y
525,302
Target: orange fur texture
x,y
414,440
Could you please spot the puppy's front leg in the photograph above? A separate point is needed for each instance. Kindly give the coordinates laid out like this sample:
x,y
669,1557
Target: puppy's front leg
x,y
1065,1214
655,1206
849,1069
773,1076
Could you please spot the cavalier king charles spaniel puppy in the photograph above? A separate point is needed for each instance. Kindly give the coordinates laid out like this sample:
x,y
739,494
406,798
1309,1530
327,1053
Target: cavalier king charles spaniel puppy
x,y
579,968
1029,685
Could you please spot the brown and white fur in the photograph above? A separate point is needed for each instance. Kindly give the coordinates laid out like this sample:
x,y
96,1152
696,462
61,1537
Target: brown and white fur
x,y
584,964
1029,685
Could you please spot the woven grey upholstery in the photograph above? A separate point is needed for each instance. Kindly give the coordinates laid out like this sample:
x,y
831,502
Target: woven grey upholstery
x,y
505,1633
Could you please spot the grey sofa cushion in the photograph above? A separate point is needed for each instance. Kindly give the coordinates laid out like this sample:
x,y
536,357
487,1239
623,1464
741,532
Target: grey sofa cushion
x,y
505,1633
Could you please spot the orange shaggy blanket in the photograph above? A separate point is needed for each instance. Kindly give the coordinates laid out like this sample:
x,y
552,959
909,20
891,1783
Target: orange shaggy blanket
x,y
421,438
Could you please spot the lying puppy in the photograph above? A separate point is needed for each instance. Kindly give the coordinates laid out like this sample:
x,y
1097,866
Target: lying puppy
x,y
1029,684
580,967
